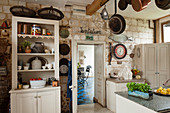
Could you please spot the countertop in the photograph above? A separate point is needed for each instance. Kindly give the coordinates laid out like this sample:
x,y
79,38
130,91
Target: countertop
x,y
158,103
125,81
47,88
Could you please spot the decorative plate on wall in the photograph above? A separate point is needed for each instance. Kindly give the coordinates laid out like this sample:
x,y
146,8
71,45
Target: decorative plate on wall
x,y
63,67
120,51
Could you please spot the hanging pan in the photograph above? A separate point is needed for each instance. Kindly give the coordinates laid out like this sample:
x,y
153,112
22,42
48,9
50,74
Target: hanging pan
x,y
117,23
163,4
64,49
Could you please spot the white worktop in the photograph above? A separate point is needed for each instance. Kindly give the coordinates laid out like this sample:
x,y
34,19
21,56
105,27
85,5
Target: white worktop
x,y
34,90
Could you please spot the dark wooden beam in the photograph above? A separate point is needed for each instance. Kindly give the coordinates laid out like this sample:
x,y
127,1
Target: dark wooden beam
x,y
96,5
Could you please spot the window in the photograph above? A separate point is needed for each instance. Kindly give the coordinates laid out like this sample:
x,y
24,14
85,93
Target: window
x,y
166,32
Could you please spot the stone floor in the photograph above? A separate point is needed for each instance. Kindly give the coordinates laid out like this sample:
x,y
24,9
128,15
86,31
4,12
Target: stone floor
x,y
92,108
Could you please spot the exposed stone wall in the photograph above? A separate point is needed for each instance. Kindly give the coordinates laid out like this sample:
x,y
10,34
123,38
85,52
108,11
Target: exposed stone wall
x,y
136,28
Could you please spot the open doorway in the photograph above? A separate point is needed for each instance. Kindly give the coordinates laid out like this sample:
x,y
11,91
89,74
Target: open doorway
x,y
94,76
85,74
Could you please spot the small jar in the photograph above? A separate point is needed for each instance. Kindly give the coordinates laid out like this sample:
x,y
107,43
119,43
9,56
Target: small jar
x,y
20,86
36,30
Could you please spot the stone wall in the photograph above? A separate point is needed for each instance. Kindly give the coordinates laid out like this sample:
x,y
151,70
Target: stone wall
x,y
136,28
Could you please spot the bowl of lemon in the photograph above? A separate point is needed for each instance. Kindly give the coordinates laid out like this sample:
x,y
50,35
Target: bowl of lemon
x,y
162,91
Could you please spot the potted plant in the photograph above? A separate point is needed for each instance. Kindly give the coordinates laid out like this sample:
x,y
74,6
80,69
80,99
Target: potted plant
x,y
140,90
26,44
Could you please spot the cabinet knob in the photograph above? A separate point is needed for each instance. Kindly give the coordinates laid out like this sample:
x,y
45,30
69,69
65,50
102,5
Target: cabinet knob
x,y
39,96
35,97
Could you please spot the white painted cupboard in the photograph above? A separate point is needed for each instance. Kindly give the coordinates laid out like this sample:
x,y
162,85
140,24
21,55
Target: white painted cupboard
x,y
111,88
154,62
45,100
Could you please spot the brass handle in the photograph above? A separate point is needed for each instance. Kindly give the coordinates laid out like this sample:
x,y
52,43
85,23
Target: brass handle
x,y
35,97
39,96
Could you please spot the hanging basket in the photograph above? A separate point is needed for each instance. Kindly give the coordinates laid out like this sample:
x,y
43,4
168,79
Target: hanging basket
x,y
22,11
50,13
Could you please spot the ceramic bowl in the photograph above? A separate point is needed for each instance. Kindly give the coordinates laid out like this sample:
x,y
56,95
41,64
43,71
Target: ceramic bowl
x,y
26,67
25,86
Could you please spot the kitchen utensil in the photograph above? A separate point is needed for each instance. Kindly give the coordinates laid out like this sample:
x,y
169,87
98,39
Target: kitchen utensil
x,y
36,64
129,2
163,4
43,61
38,47
64,49
122,4
119,38
19,67
26,67
37,83
49,66
22,11
43,67
64,32
139,5
25,86
167,83
117,23
63,67
50,13
110,53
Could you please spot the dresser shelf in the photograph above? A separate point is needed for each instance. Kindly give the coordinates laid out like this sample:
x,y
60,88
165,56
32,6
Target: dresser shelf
x,y
35,36
40,70
35,54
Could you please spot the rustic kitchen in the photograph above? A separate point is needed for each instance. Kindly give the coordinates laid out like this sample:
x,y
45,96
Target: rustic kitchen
x,y
84,56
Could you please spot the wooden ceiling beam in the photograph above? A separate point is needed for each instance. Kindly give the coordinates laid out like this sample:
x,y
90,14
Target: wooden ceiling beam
x,y
96,5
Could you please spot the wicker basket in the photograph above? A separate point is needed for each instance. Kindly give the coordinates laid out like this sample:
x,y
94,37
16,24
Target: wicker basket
x,y
22,11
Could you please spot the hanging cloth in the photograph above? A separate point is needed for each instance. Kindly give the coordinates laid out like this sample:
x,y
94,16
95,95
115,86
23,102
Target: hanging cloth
x,y
69,82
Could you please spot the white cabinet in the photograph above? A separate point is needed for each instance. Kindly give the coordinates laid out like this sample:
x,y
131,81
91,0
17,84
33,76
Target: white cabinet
x,y
154,62
26,103
45,100
111,88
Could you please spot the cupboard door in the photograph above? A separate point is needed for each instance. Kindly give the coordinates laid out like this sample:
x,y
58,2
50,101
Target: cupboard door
x,y
26,103
47,102
163,64
111,101
150,65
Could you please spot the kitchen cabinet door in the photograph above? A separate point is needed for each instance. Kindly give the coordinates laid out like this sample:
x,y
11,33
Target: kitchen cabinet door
x,y
163,64
150,65
111,95
26,103
47,102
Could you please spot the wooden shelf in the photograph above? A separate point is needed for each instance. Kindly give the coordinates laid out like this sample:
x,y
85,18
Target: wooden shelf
x,y
40,70
35,54
35,36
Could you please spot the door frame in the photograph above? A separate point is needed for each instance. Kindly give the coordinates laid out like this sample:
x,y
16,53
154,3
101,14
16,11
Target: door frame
x,y
75,43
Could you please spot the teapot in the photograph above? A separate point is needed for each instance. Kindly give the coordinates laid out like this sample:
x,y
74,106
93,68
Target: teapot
x,y
38,47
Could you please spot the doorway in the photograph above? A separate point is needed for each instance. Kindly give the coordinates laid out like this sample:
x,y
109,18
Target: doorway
x,y
88,77
85,74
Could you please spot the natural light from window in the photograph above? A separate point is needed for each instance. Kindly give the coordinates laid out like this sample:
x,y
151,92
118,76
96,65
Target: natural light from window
x,y
166,29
